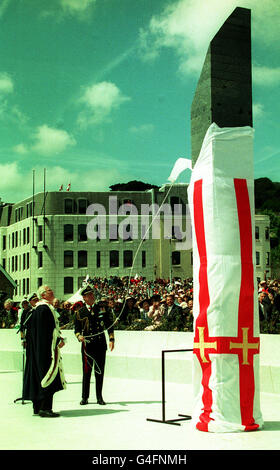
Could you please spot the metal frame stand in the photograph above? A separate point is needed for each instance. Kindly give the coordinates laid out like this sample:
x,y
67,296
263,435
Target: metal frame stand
x,y
163,420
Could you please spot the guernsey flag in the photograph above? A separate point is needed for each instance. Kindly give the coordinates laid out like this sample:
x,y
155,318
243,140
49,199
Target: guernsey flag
x,y
226,324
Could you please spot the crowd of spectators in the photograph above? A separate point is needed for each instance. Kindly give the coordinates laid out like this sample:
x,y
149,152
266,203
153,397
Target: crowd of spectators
x,y
138,304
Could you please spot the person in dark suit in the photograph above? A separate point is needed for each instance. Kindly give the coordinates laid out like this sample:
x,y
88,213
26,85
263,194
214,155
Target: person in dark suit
x,y
173,313
265,307
43,375
90,323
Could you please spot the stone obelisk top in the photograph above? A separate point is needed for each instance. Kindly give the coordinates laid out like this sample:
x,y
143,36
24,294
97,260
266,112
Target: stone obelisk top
x,y
224,90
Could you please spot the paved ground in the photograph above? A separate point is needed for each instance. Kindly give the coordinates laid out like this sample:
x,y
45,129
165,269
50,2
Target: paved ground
x,y
122,424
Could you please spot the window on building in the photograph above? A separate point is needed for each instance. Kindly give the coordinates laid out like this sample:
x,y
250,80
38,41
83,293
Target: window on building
x,y
23,261
27,235
127,258
68,259
27,285
114,259
16,263
68,285
27,260
82,206
143,259
4,242
98,259
4,263
267,258
40,259
40,233
39,282
257,232
257,258
176,258
23,287
68,206
82,232
13,263
24,236
68,233
13,240
267,233
82,259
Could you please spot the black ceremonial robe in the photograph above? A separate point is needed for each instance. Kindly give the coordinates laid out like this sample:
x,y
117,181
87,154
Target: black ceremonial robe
x,y
43,375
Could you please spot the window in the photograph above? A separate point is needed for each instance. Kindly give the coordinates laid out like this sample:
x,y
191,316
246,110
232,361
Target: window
x,y
40,233
16,239
257,233
82,206
23,287
68,259
82,259
143,259
176,258
23,261
27,260
267,233
114,259
27,235
82,232
40,259
13,240
68,233
68,285
4,263
27,285
127,258
257,258
98,259
4,242
267,258
68,206
39,282
24,236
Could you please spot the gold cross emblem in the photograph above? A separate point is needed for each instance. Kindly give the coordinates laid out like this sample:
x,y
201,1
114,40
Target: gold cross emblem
x,y
245,346
202,345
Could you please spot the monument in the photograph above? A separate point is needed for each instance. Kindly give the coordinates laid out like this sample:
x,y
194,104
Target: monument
x,y
221,201
224,90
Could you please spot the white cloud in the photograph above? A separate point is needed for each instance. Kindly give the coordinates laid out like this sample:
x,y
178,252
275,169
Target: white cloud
x,y
266,76
16,179
20,149
6,83
11,181
258,111
100,100
143,129
187,27
50,141
76,6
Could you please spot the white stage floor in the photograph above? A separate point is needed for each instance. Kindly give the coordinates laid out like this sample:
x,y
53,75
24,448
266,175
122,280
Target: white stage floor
x,y
121,424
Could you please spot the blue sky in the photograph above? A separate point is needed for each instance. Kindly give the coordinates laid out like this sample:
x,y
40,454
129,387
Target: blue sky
x,y
100,91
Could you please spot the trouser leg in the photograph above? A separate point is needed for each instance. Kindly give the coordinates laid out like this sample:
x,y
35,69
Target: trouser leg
x,y
87,369
47,403
99,373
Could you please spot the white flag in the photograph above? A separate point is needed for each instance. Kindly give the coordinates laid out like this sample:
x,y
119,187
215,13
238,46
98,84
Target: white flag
x,y
180,165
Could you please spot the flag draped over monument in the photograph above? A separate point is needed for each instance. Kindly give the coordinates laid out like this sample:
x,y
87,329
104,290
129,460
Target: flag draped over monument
x,y
226,325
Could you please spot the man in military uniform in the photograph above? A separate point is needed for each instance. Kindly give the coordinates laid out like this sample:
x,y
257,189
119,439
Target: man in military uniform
x,y
90,322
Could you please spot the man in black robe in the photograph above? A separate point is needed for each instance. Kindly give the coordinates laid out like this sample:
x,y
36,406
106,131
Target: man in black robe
x,y
90,323
43,375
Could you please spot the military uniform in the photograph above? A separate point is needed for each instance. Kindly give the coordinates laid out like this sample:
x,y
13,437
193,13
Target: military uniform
x,y
90,322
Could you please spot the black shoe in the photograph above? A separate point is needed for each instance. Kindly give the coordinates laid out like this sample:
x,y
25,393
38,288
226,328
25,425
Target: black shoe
x,y
48,414
84,402
100,401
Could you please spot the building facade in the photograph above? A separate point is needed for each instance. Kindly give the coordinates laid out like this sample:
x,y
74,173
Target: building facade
x,y
57,238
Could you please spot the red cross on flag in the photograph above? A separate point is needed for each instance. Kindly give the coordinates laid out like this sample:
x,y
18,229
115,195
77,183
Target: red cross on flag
x,y
226,322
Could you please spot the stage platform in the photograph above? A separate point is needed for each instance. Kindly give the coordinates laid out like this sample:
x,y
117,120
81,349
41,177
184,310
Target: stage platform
x,y
132,390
